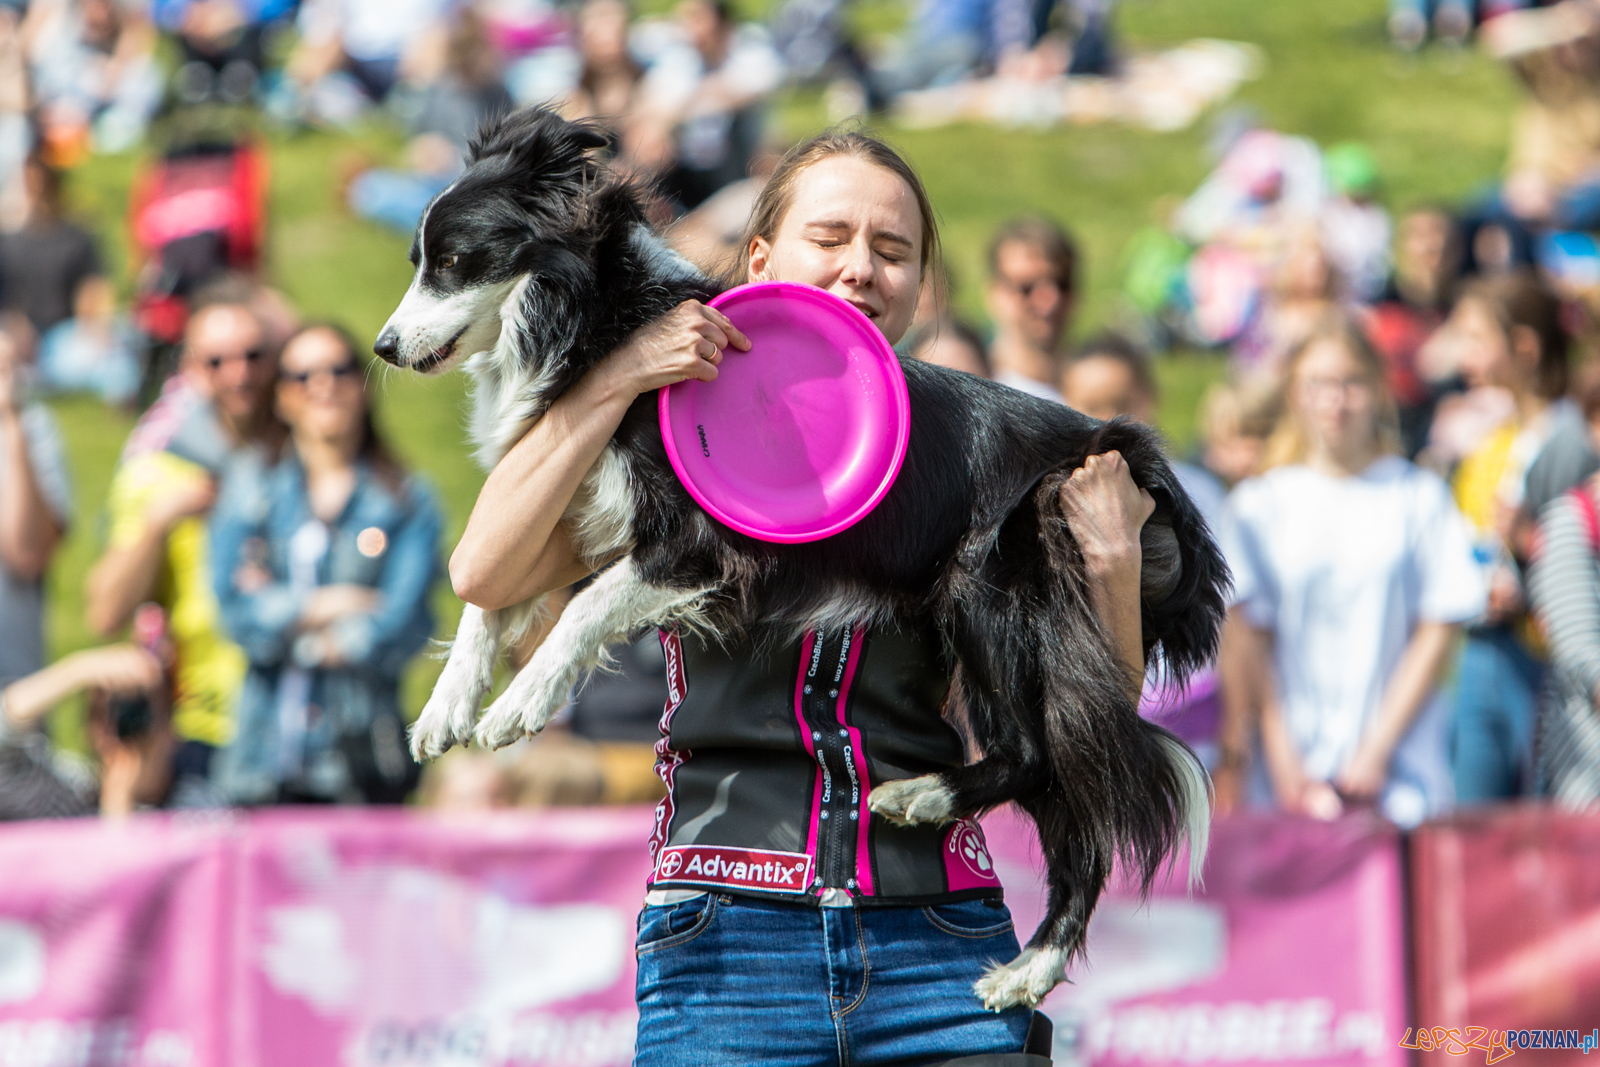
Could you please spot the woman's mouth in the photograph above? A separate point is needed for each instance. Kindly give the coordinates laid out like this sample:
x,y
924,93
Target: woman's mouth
x,y
866,309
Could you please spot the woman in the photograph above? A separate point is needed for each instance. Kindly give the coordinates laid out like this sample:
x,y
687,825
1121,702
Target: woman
x,y
322,565
1564,589
1510,341
1353,572
757,972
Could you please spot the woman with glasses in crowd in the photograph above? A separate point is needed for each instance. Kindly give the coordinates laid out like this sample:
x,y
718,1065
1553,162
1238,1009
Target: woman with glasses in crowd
x,y
1353,573
323,563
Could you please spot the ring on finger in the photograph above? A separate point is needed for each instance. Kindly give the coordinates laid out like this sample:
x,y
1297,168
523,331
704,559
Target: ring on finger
x,y
705,349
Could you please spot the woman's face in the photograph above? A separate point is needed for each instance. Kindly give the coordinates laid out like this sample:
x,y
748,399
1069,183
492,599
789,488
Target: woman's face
x,y
852,228
1486,357
320,390
1335,397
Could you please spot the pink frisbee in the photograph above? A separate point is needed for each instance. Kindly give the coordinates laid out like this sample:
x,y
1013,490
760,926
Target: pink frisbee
x,y
801,436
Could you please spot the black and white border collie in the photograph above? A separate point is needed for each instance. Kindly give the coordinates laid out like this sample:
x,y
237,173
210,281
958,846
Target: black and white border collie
x,y
538,261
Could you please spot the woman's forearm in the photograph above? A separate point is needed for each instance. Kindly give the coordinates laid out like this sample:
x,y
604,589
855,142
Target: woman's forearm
x,y
25,701
29,531
514,547
1413,680
1114,592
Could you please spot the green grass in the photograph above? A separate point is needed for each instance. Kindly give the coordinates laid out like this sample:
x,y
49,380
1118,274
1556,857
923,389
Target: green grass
x,y
1437,124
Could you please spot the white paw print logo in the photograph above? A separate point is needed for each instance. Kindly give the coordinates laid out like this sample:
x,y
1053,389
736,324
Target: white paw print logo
x,y
967,841
671,863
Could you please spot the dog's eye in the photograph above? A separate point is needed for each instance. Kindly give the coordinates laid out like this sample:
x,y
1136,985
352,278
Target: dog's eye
x,y
444,262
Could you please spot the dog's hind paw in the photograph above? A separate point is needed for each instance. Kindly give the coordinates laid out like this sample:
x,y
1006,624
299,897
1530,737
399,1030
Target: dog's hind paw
x,y
1024,981
910,801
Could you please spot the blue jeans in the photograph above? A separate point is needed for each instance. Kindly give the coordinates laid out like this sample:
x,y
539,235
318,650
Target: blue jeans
x,y
736,981
1497,695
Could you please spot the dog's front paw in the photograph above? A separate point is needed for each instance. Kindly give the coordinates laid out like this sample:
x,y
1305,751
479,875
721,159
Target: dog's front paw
x,y
446,719
1024,981
525,708
913,800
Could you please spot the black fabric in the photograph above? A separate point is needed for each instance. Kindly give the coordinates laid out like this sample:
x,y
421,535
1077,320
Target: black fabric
x,y
29,785
624,704
748,781
41,268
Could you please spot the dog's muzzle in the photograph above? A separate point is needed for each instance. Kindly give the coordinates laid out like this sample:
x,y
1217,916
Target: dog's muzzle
x,y
387,346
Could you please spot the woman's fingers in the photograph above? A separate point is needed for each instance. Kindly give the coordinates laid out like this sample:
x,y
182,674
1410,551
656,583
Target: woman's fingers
x,y
731,333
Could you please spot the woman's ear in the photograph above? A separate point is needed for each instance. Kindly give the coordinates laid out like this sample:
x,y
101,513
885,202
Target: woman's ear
x,y
760,268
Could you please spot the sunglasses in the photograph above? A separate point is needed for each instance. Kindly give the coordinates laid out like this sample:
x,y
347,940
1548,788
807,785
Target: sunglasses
x,y
339,372
252,356
1027,289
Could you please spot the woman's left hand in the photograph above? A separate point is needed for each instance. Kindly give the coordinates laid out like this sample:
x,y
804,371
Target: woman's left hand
x,y
1106,511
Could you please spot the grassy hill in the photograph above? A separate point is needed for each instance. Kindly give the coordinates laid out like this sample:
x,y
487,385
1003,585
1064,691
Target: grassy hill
x,y
1437,124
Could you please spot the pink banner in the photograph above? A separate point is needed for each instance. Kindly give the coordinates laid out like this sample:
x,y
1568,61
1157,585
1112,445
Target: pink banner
x,y
363,938
387,939
111,942
1507,906
1293,952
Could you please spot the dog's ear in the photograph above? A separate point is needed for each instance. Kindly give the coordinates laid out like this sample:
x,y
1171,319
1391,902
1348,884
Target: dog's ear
x,y
539,144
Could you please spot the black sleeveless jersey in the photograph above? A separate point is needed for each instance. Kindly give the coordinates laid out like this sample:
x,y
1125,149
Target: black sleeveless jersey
x,y
768,760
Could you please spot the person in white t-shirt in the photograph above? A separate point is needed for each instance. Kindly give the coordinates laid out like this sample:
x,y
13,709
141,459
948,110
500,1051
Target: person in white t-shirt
x,y
1353,573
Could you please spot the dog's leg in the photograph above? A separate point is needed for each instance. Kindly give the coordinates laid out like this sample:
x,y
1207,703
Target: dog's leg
x,y
452,709
999,681
618,604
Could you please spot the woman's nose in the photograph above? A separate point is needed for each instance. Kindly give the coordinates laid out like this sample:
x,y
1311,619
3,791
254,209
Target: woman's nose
x,y
858,269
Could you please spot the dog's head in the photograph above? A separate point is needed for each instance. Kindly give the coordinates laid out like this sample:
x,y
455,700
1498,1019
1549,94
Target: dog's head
x,y
518,211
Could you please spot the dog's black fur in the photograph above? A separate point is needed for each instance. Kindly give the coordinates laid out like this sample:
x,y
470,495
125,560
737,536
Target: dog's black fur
x,y
972,533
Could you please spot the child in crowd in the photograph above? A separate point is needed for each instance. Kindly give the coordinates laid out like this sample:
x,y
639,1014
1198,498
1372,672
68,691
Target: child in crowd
x,y
1352,574
1235,422
1509,341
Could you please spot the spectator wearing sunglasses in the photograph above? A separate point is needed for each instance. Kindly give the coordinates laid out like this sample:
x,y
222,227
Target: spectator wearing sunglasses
x,y
1032,289
215,411
323,565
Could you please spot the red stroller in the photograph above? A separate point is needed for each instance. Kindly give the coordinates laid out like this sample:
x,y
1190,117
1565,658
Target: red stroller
x,y
195,214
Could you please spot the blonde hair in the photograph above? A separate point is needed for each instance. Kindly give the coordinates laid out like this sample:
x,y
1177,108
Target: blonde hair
x,y
1290,441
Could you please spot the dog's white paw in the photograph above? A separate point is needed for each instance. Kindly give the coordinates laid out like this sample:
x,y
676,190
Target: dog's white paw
x,y
1024,981
447,718
913,800
526,707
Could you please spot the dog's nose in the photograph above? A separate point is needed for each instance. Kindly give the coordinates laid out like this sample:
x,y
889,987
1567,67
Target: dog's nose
x,y
387,346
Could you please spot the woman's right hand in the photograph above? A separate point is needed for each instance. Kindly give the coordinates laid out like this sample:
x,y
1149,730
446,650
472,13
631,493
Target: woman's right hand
x,y
685,343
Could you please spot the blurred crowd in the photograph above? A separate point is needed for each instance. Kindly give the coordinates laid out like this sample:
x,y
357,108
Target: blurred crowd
x,y
1400,461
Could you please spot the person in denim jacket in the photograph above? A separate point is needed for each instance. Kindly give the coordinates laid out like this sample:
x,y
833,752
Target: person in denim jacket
x,y
323,566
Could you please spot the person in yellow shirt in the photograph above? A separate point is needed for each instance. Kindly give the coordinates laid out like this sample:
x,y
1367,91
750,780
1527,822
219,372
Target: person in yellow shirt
x,y
218,404
1511,339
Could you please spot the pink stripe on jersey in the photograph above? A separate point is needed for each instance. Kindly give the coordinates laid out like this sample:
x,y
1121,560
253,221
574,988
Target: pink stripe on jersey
x,y
668,759
807,650
862,784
